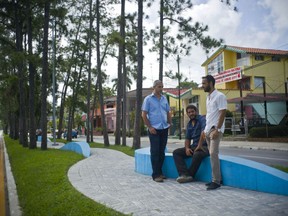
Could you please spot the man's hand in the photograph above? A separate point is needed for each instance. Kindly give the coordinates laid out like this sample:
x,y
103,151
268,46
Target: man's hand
x,y
189,151
214,134
152,130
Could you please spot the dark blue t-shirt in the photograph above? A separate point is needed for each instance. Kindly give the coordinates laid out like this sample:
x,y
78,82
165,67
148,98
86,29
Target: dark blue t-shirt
x,y
194,132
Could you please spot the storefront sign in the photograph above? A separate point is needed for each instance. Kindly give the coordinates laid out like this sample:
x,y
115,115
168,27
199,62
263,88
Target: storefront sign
x,y
228,75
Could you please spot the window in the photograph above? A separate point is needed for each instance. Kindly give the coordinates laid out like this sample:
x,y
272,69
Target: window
x,y
259,58
194,101
245,83
216,65
258,82
243,59
276,58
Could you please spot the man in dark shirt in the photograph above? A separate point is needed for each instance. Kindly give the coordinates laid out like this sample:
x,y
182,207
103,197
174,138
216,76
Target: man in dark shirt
x,y
193,133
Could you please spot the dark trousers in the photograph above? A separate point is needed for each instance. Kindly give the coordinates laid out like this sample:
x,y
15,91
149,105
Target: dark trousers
x,y
158,144
179,156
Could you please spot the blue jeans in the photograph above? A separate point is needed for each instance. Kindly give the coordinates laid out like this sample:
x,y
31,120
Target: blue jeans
x,y
158,144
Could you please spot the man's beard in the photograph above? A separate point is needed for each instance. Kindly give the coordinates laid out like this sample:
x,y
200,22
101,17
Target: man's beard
x,y
207,89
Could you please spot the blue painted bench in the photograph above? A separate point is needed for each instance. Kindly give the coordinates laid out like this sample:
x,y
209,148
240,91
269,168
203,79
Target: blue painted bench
x,y
78,147
236,172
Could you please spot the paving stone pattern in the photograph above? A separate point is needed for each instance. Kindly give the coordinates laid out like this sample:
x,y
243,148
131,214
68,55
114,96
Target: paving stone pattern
x,y
108,177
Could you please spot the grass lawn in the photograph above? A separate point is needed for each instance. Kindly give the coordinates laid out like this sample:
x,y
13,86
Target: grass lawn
x,y
43,186
284,169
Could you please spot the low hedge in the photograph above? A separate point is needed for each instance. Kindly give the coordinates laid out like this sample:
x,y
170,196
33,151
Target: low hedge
x,y
273,131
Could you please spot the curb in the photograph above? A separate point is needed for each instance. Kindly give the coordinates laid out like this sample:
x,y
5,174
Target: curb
x,y
13,200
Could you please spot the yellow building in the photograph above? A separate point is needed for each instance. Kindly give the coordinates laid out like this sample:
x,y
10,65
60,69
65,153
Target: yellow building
x,y
254,81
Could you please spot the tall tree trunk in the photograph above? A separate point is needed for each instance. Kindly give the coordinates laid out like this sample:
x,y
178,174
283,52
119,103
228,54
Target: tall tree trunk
x,y
89,73
137,128
32,71
45,77
65,87
161,40
124,73
120,86
105,133
21,79
72,108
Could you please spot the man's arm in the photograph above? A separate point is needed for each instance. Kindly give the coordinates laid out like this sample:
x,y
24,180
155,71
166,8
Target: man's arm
x,y
169,118
147,123
145,119
220,123
221,118
188,150
201,140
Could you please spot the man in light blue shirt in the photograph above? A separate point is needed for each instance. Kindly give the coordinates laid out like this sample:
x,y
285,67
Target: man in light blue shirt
x,y
156,116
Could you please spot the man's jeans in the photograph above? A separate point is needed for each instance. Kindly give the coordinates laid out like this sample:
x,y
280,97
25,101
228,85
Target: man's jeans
x,y
179,156
213,146
158,144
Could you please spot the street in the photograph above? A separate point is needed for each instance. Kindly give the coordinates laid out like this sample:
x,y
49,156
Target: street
x,y
268,157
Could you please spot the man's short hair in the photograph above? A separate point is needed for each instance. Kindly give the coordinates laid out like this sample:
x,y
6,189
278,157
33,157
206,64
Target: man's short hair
x,y
190,106
156,82
209,78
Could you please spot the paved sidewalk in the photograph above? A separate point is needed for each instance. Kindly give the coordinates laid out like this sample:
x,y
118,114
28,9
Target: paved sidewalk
x,y
108,177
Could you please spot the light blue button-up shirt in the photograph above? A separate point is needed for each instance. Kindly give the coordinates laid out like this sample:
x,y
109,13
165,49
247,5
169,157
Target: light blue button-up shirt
x,y
157,110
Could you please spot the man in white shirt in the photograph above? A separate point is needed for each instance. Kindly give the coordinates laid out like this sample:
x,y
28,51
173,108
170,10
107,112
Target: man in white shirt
x,y
216,105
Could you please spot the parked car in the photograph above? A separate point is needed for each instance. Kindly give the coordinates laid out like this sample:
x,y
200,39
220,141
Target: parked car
x,y
74,133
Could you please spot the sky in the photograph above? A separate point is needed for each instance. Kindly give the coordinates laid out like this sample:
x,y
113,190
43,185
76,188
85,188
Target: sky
x,y
257,24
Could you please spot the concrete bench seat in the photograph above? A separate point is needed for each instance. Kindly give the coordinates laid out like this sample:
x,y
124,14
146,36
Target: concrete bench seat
x,y
236,172
78,147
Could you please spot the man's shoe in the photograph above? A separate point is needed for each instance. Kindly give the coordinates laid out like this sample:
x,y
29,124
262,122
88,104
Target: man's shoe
x,y
209,183
158,179
213,186
184,179
163,177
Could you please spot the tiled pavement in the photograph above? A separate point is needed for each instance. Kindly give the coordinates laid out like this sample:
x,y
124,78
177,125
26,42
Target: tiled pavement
x,y
108,177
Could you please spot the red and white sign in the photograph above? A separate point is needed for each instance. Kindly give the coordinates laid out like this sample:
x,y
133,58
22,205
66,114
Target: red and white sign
x,y
228,75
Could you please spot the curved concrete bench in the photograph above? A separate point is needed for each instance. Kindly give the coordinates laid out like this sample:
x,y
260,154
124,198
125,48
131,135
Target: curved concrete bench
x,y
78,147
236,172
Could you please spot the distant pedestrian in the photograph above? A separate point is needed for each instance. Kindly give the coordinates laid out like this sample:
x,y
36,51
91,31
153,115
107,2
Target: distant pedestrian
x,y
216,105
156,116
197,151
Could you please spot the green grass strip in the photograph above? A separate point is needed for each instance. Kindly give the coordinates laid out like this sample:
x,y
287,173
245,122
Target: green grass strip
x,y
125,149
43,186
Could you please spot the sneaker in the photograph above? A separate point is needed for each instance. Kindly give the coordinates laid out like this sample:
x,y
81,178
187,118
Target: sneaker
x,y
184,179
158,179
213,186
163,177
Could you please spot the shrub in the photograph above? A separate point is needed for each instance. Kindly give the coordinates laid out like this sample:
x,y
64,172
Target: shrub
x,y
273,131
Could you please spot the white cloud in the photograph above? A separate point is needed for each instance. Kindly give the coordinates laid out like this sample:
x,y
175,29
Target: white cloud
x,y
259,24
